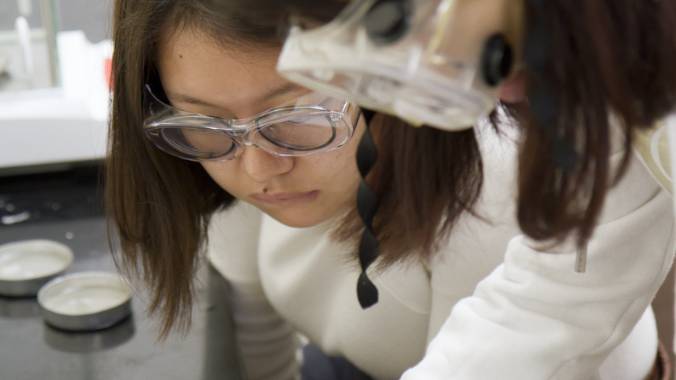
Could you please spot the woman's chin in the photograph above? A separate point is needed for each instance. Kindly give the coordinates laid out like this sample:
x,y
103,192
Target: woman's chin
x,y
295,219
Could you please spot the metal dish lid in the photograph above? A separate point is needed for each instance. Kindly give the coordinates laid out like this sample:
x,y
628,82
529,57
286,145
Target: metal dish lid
x,y
33,259
85,293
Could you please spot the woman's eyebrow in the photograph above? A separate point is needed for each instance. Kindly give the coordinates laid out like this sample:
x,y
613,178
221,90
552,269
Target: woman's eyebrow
x,y
278,91
182,98
265,97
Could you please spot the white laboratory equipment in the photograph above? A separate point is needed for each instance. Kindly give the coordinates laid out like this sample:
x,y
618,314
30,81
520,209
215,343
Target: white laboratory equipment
x,y
54,90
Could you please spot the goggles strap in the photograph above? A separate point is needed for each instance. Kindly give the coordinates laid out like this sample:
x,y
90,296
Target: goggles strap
x,y
367,206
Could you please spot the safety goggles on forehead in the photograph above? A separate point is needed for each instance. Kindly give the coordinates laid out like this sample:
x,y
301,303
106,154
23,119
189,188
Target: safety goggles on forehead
x,y
434,62
314,123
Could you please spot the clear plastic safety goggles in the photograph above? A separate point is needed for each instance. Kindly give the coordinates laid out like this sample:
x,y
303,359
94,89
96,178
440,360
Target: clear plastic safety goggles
x,y
434,62
314,123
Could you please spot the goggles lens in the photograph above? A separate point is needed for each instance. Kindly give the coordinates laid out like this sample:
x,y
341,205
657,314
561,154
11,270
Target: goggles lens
x,y
200,143
301,134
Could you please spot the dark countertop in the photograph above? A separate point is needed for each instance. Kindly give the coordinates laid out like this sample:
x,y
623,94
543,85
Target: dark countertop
x,y
30,349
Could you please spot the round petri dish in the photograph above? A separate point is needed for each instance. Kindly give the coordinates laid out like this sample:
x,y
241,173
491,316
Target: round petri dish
x,y
25,266
85,301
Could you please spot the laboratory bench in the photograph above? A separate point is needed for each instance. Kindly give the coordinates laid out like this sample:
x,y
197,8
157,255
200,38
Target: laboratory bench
x,y
66,206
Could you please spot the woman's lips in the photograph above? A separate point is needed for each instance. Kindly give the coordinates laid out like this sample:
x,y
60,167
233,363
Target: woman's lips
x,y
283,198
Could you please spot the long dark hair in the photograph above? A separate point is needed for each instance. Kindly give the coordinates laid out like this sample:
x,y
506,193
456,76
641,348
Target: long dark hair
x,y
588,62
161,205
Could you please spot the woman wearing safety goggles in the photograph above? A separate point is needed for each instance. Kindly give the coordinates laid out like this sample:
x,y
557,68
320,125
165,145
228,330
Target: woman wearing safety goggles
x,y
211,149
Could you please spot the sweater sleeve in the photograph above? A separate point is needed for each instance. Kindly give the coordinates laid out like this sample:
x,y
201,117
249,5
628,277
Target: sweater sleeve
x,y
267,344
534,317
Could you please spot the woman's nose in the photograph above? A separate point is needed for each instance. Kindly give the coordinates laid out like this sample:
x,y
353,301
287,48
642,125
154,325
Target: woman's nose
x,y
262,166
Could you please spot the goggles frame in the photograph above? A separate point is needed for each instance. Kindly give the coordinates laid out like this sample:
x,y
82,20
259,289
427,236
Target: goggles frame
x,y
341,116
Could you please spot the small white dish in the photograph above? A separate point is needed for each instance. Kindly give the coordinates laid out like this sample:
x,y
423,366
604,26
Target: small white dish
x,y
27,265
85,301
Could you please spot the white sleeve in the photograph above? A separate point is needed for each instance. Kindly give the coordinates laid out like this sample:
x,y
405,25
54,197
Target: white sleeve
x,y
266,342
534,317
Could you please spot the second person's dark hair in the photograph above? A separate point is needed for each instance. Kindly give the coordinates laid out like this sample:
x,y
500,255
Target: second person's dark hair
x,y
587,62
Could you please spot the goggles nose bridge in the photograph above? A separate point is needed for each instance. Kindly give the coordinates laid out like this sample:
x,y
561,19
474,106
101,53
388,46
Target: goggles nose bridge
x,y
240,126
240,131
